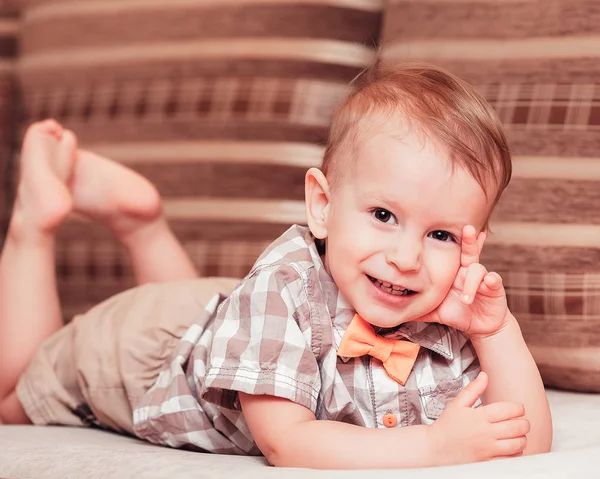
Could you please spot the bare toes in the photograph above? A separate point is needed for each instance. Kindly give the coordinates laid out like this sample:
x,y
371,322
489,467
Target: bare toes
x,y
65,161
52,127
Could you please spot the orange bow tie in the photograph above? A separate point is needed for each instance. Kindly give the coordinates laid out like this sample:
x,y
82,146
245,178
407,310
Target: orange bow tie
x,y
398,356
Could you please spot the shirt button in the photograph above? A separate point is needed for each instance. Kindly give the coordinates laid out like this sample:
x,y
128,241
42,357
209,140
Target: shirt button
x,y
390,420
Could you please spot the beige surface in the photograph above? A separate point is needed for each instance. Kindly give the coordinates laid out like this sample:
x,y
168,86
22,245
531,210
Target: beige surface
x,y
28,452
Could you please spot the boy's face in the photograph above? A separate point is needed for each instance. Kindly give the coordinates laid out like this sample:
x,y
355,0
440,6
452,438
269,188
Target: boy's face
x,y
394,224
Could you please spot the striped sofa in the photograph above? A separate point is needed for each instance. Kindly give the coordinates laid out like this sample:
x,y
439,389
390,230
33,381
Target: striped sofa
x,y
224,104
9,30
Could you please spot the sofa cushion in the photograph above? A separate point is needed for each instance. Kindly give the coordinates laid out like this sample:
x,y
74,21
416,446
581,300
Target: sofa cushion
x,y
538,64
222,104
9,28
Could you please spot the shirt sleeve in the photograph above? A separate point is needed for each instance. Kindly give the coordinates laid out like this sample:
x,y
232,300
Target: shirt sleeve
x,y
262,342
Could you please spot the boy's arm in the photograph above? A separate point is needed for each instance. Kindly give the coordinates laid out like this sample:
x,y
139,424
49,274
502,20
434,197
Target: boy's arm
x,y
289,435
513,376
477,305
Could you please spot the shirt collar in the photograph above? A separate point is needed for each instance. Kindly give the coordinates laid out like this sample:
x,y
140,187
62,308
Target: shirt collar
x,y
433,336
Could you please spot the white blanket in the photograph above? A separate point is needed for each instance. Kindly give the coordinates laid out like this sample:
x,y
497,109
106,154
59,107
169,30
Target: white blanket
x,y
69,453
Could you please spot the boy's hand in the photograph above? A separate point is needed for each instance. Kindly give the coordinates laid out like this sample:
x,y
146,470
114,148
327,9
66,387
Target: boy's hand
x,y
463,434
476,303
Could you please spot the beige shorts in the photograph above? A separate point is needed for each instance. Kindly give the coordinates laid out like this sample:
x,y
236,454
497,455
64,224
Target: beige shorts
x,y
94,370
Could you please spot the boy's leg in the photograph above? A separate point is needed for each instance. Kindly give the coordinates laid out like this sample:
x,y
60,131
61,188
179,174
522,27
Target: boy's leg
x,y
130,206
29,306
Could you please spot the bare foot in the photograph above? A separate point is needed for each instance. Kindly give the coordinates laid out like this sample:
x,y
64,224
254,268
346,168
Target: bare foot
x,y
114,195
43,199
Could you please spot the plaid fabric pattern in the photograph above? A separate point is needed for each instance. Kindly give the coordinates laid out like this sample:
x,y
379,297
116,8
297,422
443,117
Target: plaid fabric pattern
x,y
277,334
307,102
549,106
549,300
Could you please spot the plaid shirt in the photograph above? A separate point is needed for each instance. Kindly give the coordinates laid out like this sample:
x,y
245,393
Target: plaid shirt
x,y
277,334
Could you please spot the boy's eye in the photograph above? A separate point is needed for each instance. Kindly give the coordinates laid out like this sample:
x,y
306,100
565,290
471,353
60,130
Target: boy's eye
x,y
383,215
441,235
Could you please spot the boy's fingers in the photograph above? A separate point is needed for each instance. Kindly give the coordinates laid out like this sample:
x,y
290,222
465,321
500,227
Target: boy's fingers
x,y
470,394
510,447
475,274
493,280
513,428
469,247
503,411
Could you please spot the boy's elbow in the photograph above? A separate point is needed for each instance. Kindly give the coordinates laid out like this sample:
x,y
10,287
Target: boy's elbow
x,y
278,454
287,451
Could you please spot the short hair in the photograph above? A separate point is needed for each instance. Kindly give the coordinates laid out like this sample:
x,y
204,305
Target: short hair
x,y
447,108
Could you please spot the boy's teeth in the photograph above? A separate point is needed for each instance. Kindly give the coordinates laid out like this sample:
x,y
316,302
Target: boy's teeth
x,y
388,288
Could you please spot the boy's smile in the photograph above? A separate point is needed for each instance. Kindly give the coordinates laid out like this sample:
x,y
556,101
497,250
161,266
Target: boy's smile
x,y
393,225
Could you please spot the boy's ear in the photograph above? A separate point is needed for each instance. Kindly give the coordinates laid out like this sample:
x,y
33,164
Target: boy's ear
x,y
316,189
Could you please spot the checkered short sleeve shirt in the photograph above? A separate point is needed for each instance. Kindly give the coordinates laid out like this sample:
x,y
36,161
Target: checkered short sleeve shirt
x,y
277,334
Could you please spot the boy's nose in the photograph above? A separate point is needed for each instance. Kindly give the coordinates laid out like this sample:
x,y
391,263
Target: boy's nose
x,y
405,255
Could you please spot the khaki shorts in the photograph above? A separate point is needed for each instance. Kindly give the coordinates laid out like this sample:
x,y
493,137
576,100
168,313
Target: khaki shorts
x,y
94,370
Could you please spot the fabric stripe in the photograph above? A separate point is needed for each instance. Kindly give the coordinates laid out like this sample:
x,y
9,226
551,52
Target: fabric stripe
x,y
9,26
325,51
193,230
274,21
10,9
192,130
544,234
7,66
9,94
55,9
308,101
482,49
8,46
269,211
535,257
532,71
491,19
303,155
273,211
577,358
226,180
546,106
563,201
392,3
143,75
565,332
571,379
577,142
553,200
93,270
557,167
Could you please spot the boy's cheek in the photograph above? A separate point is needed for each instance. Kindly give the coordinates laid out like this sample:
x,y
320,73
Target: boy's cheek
x,y
444,268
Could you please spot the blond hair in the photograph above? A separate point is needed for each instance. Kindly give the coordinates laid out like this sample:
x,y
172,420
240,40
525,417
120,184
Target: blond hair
x,y
446,108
